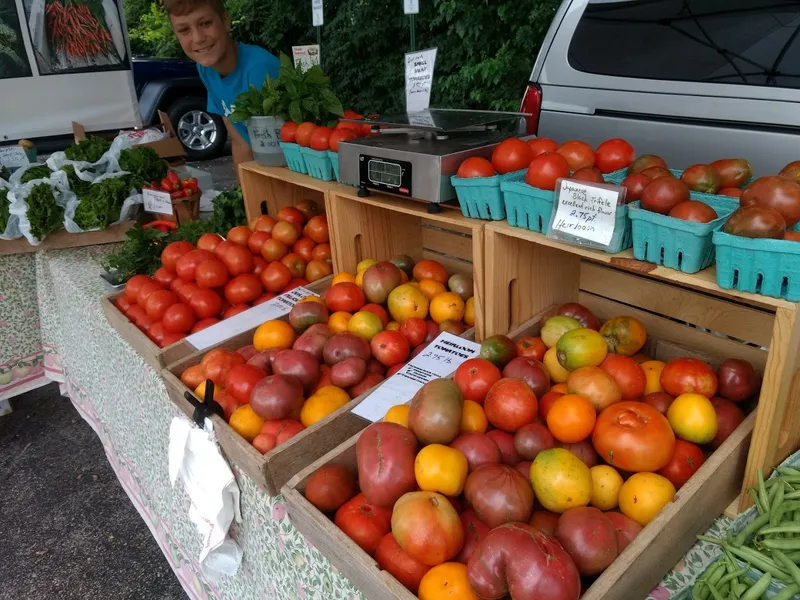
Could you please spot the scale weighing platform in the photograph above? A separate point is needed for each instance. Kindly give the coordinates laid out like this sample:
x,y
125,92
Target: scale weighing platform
x,y
416,153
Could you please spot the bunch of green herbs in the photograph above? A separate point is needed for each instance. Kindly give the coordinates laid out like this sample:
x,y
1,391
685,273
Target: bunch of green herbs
x,y
76,184
35,172
5,205
229,210
144,164
100,204
88,150
44,213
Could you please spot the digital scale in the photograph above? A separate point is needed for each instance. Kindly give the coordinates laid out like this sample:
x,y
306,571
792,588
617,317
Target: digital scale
x,y
416,153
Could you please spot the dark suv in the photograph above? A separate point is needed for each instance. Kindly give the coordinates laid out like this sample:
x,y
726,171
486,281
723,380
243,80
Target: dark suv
x,y
174,87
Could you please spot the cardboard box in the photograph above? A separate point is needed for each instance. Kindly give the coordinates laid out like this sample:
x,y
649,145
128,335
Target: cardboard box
x,y
169,149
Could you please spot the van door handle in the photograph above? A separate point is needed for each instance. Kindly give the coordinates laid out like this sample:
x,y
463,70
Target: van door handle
x,y
569,108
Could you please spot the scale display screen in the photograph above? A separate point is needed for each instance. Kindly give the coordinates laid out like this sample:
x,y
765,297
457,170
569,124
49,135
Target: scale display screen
x,y
387,175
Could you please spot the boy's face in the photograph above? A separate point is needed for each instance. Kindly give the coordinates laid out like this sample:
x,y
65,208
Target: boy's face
x,y
203,34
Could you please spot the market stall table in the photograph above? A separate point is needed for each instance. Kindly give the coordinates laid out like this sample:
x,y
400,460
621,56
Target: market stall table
x,y
126,403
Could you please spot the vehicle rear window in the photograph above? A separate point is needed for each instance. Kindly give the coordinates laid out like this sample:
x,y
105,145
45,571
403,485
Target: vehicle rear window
x,y
745,42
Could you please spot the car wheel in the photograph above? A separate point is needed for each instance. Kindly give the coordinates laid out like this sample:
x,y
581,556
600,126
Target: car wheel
x,y
202,134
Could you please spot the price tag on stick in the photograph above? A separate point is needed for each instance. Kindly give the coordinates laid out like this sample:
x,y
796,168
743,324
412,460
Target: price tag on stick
x,y
13,157
585,214
439,359
316,13
419,79
157,202
411,7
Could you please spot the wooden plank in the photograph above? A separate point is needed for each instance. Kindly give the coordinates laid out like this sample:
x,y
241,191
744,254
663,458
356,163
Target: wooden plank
x,y
271,187
446,241
659,327
777,429
704,280
733,319
479,281
63,239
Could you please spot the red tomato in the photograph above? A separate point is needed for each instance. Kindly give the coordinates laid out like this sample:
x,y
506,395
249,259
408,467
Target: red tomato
x,y
264,298
243,288
164,277
257,240
589,175
273,250
209,241
156,332
390,347
147,288
317,229
304,248
578,154
689,375
203,324
660,401
293,215
510,404
295,264
634,186
415,330
402,566
293,284
613,155
133,286
173,251
330,487
303,134
158,302
240,235
545,169
123,304
222,248
238,260
211,274
511,155
546,403
364,523
377,309
259,264
694,211
178,318
627,374
345,296
275,277
475,166
340,135
241,380
135,312
320,139
187,264
206,303
234,310
729,417
531,347
186,291
633,436
542,146
474,377
686,459
171,338
288,132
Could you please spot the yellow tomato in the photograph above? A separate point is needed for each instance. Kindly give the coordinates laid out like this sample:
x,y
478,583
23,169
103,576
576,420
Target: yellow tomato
x,y
246,422
447,581
644,495
334,393
365,325
693,418
338,321
200,391
365,264
606,483
473,418
652,370
441,469
447,307
316,299
431,288
360,278
560,480
557,373
469,312
343,278
274,334
406,301
392,326
397,414
320,405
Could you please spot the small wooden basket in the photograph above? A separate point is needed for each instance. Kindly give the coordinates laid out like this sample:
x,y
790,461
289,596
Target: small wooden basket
x,y
184,210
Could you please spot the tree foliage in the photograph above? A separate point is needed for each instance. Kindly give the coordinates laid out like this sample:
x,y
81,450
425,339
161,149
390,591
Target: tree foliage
x,y
486,47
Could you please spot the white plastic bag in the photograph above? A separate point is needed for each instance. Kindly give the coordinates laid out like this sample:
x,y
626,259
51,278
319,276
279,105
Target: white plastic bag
x,y
19,204
16,176
86,171
128,210
11,231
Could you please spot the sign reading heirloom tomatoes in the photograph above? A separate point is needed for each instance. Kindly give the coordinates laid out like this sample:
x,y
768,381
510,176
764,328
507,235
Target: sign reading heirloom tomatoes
x,y
439,359
585,214
249,319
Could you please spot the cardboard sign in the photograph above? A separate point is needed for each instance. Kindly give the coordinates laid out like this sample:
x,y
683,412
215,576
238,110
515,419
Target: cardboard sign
x,y
419,79
13,157
249,319
585,213
305,56
316,13
157,202
411,7
439,359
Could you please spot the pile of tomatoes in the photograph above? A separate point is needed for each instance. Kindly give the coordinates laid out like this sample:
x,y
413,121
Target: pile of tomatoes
x,y
334,347
197,287
537,464
318,137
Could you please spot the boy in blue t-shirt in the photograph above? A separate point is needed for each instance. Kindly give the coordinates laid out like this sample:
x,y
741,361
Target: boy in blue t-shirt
x,y
227,68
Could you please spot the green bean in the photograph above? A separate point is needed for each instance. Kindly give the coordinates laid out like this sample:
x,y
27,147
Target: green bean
x,y
790,471
739,588
731,576
717,595
762,492
788,528
794,556
793,569
759,588
792,495
760,561
757,501
710,540
781,544
787,593
712,574
791,506
776,502
751,528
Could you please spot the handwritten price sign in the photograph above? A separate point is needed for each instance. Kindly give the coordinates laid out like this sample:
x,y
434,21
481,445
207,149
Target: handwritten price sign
x,y
585,214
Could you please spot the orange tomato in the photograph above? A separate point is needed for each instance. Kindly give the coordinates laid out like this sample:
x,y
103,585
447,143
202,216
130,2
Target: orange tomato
x,y
469,312
447,307
304,248
624,335
246,422
274,334
317,269
193,376
215,353
343,278
338,321
397,414
430,269
643,496
442,469
693,418
432,288
240,235
447,581
426,525
406,301
264,223
285,232
561,388
571,419
652,371
325,401
473,418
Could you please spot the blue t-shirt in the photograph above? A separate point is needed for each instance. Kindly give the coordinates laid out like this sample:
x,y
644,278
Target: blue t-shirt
x,y
253,64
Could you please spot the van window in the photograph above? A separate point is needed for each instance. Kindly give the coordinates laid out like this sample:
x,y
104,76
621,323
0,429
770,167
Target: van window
x,y
745,42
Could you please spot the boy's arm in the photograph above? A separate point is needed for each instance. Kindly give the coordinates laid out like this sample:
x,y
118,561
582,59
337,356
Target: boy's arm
x,y
239,148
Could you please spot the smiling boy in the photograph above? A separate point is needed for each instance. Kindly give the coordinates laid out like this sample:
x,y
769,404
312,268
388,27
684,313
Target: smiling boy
x,y
227,68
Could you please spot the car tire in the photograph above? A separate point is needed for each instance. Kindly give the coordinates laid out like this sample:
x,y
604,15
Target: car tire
x,y
202,134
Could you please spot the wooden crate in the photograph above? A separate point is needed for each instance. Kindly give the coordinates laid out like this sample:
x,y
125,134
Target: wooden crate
x,y
153,355
273,469
266,190
64,239
384,226
529,271
637,570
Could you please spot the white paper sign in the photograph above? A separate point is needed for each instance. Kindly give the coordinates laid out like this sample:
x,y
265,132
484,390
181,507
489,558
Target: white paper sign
x,y
423,118
305,56
439,359
585,211
249,319
411,7
157,202
419,79
13,157
316,13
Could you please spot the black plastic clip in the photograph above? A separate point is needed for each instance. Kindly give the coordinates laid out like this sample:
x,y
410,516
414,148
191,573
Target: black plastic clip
x,y
204,408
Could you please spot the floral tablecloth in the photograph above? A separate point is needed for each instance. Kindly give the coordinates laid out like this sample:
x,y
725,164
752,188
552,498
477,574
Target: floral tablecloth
x,y
49,306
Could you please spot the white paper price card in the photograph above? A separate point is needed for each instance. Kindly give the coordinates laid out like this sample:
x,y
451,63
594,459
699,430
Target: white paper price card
x,y
316,13
13,157
305,56
411,7
439,359
249,319
157,202
419,79
585,213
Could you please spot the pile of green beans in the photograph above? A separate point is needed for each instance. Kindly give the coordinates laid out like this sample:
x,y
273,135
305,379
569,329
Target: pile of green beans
x,y
770,543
